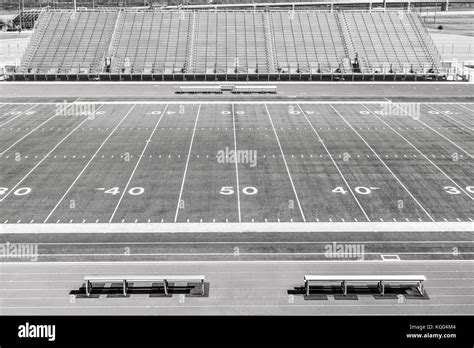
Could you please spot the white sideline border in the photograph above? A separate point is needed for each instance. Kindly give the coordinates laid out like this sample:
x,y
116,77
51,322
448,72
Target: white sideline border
x,y
230,101
210,102
191,82
233,227
194,262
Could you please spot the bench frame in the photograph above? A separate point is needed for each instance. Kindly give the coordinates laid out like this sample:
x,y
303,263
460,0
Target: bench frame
x,y
145,278
381,280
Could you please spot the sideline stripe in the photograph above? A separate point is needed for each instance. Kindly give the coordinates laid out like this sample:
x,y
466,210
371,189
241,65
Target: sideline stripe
x,y
211,102
401,241
231,254
178,263
145,83
227,227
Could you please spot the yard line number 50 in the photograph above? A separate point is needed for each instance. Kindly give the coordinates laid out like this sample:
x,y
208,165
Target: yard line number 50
x,y
229,190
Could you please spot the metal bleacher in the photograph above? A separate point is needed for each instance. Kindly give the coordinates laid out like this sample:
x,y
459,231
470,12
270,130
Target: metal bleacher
x,y
389,42
68,42
26,19
150,42
228,44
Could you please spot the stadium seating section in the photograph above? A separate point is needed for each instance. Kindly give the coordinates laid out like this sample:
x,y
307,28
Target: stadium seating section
x,y
26,19
226,43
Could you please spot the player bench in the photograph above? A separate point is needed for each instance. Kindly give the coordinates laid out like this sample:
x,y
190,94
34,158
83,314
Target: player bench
x,y
381,280
125,279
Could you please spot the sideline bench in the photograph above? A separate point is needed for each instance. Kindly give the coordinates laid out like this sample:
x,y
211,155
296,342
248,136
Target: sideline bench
x,y
142,278
381,280
199,89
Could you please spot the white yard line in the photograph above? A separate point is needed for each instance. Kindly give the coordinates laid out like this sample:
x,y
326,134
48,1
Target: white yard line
x,y
44,158
87,165
20,114
421,153
334,162
440,113
187,163
385,165
441,135
465,107
138,162
286,165
236,164
32,131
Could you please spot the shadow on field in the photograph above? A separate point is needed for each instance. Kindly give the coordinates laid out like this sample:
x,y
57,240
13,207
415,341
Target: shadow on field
x,y
391,292
155,290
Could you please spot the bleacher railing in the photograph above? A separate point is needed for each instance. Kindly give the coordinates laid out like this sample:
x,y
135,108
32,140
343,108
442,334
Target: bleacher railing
x,y
429,40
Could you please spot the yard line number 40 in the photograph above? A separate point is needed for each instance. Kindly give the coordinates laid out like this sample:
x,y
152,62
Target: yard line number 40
x,y
134,191
362,190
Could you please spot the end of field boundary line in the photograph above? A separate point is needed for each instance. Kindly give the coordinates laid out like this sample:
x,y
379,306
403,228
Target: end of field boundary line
x,y
280,227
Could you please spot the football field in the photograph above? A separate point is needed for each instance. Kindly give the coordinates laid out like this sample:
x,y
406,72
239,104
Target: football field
x,y
222,162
